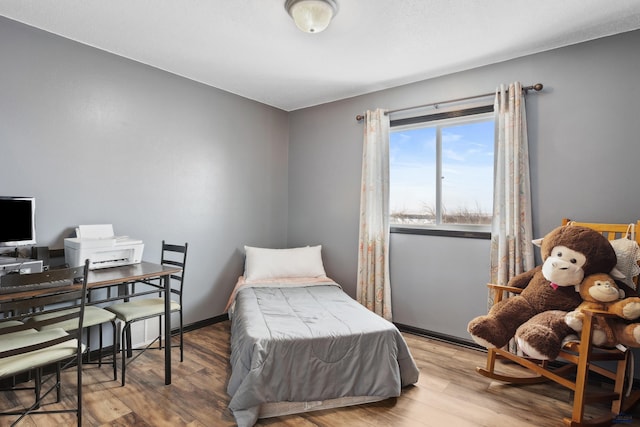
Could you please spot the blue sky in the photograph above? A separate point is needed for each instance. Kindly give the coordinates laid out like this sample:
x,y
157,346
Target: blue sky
x,y
467,167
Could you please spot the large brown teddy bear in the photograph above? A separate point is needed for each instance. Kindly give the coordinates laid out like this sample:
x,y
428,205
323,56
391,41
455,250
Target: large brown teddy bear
x,y
569,253
600,292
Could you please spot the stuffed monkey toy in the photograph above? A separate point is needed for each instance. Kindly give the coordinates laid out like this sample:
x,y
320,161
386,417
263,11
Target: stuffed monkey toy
x,y
600,292
569,253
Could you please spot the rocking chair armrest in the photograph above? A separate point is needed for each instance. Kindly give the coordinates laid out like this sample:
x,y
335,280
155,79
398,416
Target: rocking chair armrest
x,y
504,288
500,290
584,345
592,312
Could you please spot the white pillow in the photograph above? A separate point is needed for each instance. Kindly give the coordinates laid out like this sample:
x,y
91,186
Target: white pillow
x,y
264,264
628,254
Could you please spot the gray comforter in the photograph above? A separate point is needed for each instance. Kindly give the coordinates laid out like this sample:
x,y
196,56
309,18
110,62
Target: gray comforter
x,y
311,343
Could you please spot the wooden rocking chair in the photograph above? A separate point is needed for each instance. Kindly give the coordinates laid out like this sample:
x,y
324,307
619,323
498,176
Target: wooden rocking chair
x,y
579,356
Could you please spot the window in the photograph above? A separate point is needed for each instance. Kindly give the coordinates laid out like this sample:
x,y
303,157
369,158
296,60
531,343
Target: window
x,y
441,172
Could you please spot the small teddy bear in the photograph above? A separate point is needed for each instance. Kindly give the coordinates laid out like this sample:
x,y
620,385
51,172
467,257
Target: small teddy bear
x,y
600,292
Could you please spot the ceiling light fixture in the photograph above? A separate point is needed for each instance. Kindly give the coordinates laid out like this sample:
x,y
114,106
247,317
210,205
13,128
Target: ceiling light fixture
x,y
311,16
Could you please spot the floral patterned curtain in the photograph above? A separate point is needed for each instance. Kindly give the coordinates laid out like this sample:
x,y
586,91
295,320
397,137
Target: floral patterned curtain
x,y
511,229
373,286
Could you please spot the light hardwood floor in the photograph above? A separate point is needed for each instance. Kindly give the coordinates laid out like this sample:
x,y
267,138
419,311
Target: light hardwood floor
x,y
449,393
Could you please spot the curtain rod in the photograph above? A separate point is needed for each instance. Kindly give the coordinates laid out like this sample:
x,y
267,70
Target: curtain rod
x,y
537,87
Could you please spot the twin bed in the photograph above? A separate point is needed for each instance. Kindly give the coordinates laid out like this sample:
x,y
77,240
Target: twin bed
x,y
300,343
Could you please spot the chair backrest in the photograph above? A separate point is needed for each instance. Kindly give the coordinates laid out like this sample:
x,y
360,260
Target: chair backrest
x,y
48,292
618,233
175,256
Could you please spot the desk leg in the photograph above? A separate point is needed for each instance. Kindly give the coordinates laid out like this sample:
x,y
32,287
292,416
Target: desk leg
x,y
123,290
167,329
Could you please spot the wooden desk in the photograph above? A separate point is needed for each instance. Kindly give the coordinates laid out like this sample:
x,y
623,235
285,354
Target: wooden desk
x,y
131,273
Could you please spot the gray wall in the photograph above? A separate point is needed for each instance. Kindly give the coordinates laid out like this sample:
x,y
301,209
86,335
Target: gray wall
x,y
97,138
584,150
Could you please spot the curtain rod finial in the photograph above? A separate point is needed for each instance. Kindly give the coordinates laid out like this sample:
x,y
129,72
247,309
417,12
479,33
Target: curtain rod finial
x,y
538,87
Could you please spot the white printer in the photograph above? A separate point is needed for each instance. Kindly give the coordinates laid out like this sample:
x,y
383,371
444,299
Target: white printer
x,y
102,247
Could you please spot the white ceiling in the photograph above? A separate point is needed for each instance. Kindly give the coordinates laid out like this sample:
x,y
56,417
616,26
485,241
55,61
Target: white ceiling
x,y
253,49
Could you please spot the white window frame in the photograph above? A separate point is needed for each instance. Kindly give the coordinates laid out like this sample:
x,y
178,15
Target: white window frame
x,y
439,120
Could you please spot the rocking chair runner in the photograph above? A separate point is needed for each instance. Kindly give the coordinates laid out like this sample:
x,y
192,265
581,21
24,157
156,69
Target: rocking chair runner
x,y
574,375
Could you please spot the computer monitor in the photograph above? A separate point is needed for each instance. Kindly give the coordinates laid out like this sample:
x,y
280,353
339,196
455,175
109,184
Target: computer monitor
x,y
18,223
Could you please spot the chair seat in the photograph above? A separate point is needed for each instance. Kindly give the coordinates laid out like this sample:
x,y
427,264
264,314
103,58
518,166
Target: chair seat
x,y
140,308
23,362
10,323
92,316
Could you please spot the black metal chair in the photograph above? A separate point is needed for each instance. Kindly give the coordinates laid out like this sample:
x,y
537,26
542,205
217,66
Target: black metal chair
x,y
138,309
93,316
25,348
